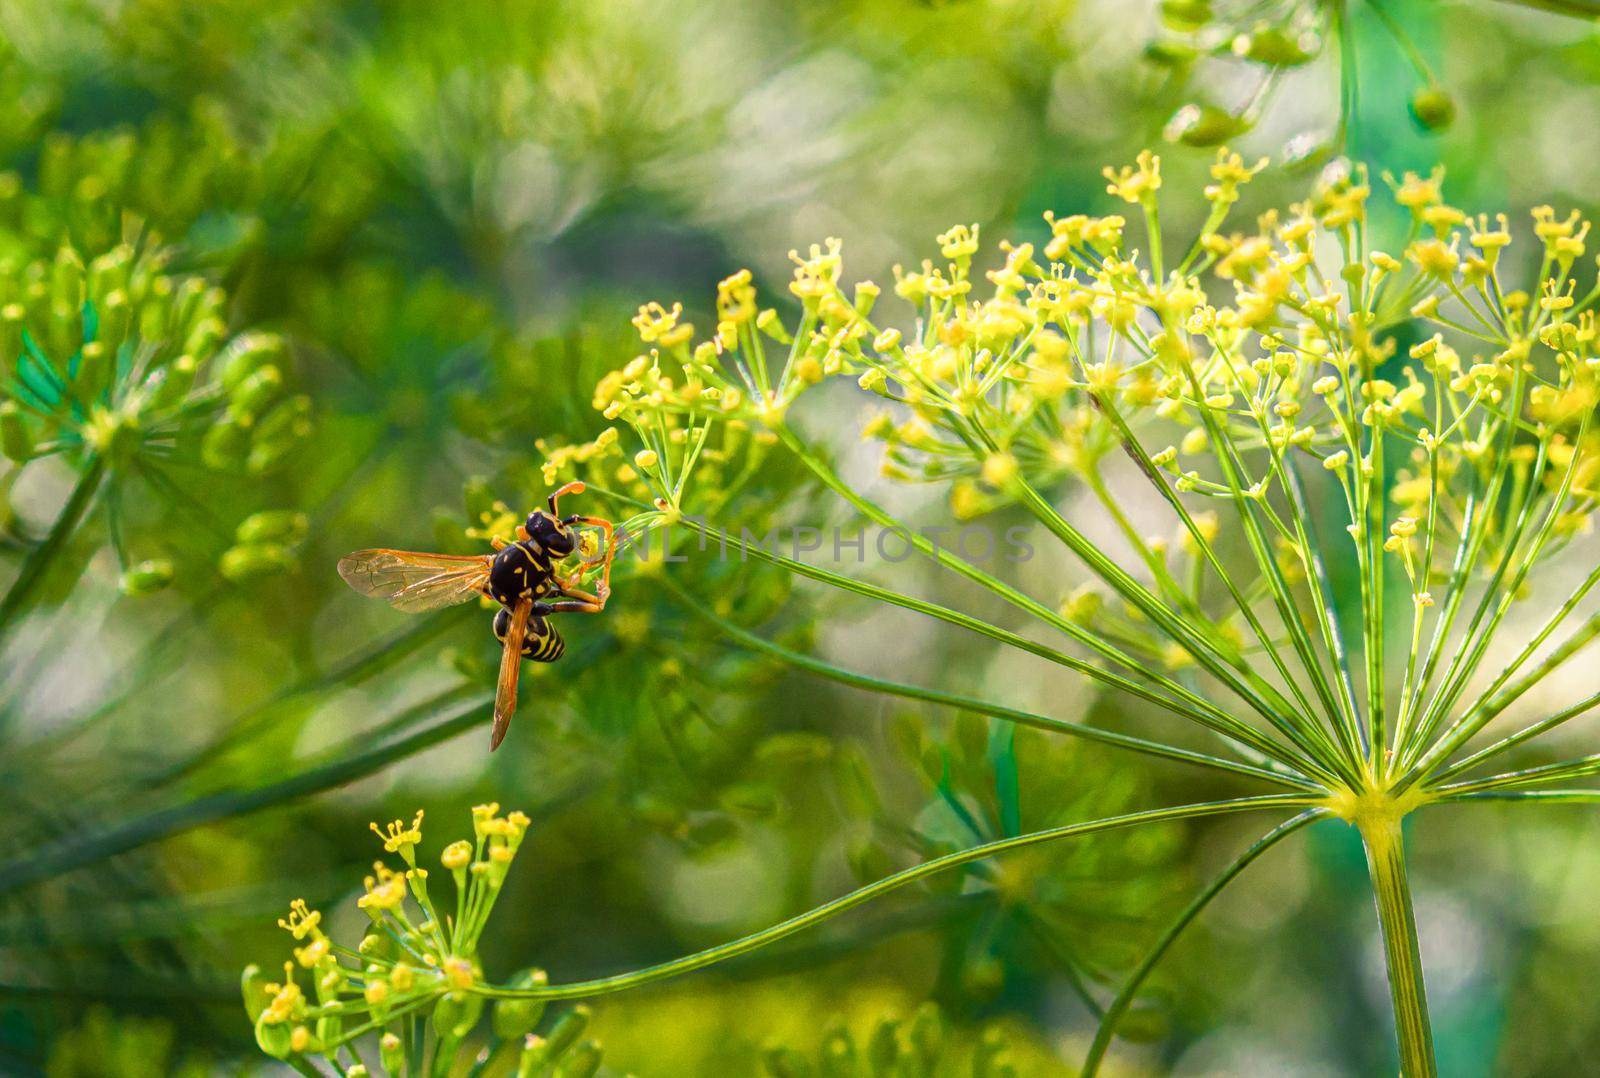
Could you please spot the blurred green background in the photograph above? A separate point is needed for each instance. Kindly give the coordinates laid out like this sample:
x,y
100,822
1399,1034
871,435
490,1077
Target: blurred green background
x,y
448,213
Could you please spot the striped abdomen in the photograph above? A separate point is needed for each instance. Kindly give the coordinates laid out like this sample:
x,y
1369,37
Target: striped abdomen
x,y
542,642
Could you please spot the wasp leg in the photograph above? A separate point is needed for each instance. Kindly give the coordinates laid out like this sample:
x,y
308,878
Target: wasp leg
x,y
574,487
497,542
607,530
571,591
575,606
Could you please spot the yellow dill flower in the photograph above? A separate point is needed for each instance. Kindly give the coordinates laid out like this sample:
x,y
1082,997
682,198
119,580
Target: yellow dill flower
x,y
1417,193
482,814
1230,173
1138,182
302,920
736,298
398,838
456,855
386,890
657,325
287,1000
313,952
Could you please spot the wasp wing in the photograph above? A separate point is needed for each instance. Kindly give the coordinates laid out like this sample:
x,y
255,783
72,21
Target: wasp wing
x,y
413,581
505,694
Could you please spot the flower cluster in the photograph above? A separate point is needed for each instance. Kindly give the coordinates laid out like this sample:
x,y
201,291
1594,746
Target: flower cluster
x,y
1449,409
125,368
416,961
1406,395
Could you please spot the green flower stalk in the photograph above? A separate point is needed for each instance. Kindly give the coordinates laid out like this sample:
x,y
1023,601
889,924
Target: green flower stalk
x,y
1415,409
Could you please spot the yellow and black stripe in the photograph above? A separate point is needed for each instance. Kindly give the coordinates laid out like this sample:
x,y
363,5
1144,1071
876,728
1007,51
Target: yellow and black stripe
x,y
543,643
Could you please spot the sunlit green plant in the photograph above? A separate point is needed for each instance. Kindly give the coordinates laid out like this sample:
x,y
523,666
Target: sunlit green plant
x,y
1403,408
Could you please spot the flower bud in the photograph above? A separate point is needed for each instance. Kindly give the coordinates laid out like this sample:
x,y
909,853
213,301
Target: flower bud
x,y
109,272
273,525
155,314
114,319
517,1017
274,1038
535,1050
253,985
1275,47
1185,16
186,301
784,1062
329,1029
178,378
456,1013
1204,125
147,577
246,354
251,561
203,339
583,1061
378,945
927,1035
66,279
392,1054
565,1033
257,391
11,319
225,445
1433,109
278,434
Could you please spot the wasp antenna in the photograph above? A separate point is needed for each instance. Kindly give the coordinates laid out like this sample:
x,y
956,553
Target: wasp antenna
x,y
574,487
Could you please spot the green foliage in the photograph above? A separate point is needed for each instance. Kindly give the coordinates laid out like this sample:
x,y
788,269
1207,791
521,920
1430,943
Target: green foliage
x,y
299,277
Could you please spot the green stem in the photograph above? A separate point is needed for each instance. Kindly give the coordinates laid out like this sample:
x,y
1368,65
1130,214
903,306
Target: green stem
x,y
1547,797
756,940
1319,753
1511,741
1189,705
1130,988
1578,767
88,847
1380,833
36,565
980,707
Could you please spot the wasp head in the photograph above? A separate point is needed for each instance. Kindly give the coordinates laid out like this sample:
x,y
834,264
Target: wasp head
x,y
550,533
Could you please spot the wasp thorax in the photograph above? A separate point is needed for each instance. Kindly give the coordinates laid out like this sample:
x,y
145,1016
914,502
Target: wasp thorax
x,y
518,571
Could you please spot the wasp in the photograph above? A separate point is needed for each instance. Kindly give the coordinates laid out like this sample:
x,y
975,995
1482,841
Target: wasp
x,y
522,576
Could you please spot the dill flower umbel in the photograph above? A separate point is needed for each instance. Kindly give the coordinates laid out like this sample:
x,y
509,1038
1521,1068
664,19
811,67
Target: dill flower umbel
x,y
125,368
417,961
1415,402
